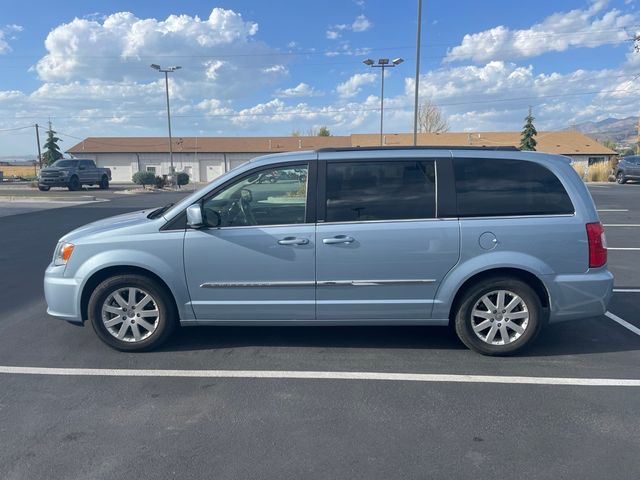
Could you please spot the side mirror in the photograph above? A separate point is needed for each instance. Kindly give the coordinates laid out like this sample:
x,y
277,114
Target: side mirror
x,y
194,216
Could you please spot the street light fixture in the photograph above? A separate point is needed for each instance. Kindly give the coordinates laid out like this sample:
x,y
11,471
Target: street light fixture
x,y
166,72
382,63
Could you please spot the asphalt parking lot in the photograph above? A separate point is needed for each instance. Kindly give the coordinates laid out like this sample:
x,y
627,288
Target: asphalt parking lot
x,y
439,421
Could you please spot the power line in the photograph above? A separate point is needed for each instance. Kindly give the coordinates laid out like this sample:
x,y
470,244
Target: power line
x,y
312,52
15,128
339,110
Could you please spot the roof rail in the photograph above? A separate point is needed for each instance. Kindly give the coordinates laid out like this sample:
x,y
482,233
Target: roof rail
x,y
418,147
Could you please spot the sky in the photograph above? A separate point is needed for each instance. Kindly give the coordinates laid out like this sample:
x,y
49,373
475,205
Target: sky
x,y
252,67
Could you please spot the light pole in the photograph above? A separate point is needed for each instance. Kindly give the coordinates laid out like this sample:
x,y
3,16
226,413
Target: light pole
x,y
382,63
166,72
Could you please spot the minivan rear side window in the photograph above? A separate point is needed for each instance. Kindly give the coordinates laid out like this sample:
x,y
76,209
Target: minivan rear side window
x,y
501,187
380,190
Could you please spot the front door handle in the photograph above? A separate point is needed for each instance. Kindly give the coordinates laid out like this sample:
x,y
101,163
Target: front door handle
x,y
338,239
293,241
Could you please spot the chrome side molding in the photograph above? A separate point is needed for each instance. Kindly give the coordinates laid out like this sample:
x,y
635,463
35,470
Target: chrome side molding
x,y
368,283
310,283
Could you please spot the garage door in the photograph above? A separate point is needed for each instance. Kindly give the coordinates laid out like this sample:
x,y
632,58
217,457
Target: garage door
x,y
120,173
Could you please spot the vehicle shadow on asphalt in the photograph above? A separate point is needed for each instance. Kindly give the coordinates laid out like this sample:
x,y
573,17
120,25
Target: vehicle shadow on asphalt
x,y
587,336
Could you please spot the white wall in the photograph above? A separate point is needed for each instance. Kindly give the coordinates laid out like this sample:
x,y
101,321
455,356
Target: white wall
x,y
203,167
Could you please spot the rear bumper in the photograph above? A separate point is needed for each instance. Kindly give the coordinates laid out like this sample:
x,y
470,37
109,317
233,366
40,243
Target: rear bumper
x,y
62,295
579,296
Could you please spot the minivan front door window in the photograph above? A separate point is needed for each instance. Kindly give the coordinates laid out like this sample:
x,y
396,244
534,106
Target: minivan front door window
x,y
268,197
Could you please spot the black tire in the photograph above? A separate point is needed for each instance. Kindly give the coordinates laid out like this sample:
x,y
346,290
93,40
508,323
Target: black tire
x,y
104,183
74,184
463,317
620,178
167,318
44,189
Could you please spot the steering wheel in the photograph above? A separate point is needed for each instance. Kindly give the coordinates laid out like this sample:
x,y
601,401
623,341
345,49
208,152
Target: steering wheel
x,y
240,212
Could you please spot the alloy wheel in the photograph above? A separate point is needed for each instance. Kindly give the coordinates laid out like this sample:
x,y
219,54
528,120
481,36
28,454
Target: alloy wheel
x,y
499,317
130,314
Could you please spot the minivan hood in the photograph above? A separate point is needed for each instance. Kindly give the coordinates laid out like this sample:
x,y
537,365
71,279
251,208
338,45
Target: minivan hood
x,y
108,224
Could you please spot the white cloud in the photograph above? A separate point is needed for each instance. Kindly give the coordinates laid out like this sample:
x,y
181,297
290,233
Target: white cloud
x,y
361,24
353,85
5,36
576,28
121,46
300,90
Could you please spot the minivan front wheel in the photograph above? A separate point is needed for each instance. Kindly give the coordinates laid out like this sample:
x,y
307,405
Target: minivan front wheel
x,y
498,316
132,313
620,178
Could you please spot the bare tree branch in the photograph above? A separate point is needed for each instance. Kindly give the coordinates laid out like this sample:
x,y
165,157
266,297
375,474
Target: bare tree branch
x,y
431,119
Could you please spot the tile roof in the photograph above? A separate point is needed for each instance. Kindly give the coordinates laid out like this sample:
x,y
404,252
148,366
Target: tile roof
x,y
562,142
206,144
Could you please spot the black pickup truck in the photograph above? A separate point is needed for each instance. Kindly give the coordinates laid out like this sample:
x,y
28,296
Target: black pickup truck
x,y
73,173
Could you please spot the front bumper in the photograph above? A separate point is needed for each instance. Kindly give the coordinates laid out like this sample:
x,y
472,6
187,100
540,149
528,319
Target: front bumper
x,y
62,294
53,182
579,296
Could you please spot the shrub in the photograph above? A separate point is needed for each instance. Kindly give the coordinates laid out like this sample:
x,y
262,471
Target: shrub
x,y
598,172
143,178
160,181
182,178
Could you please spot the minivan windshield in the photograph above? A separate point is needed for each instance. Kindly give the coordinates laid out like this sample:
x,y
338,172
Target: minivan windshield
x,y
65,163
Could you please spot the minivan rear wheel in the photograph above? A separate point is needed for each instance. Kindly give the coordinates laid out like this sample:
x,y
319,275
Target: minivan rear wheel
x,y
499,316
132,313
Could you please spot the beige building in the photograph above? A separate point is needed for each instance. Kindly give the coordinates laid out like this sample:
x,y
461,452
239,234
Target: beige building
x,y
205,158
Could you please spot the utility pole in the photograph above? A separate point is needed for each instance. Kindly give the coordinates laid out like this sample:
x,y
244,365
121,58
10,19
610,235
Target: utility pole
x,y
638,138
417,81
38,142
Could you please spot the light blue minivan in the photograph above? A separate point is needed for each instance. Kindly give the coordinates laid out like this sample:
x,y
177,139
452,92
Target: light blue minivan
x,y
494,242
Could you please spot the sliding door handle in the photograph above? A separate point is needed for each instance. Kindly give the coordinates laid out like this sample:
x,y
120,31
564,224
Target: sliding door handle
x,y
338,239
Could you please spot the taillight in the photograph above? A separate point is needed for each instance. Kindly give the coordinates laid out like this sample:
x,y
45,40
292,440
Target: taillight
x,y
597,245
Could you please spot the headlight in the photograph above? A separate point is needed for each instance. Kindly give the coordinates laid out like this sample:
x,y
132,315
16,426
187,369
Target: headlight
x,y
63,253
64,173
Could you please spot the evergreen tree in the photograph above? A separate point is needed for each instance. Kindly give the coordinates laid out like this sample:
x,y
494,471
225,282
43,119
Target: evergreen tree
x,y
528,142
51,148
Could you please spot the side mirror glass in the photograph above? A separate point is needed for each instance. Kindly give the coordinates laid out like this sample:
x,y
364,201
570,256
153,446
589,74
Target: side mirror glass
x,y
194,216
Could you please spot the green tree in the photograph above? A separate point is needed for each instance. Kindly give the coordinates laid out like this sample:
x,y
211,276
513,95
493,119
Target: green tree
x,y
611,145
528,142
324,132
51,149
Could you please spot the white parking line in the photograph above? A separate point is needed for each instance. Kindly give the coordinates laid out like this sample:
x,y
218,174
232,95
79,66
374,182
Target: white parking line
x,y
305,375
621,225
626,290
613,209
628,249
624,323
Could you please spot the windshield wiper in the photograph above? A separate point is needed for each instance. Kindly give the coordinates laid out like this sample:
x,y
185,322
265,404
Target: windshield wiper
x,y
159,211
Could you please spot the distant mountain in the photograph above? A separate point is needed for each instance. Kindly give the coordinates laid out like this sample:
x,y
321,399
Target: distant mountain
x,y
17,158
622,131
